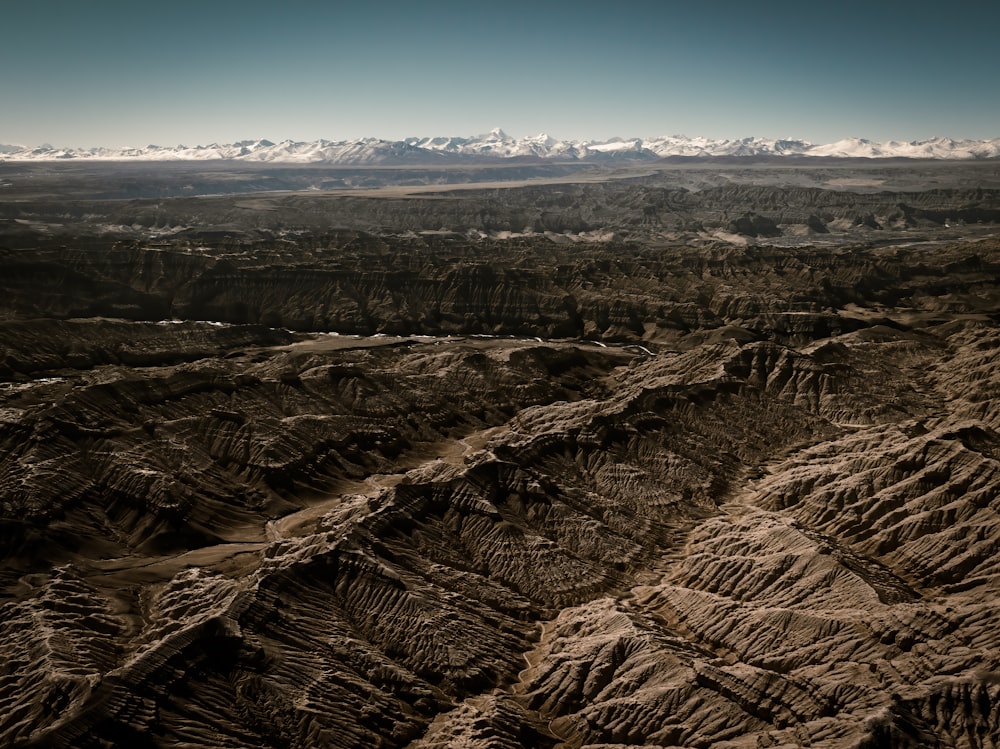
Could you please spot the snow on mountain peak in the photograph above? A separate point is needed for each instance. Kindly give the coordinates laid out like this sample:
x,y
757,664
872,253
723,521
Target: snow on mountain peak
x,y
498,145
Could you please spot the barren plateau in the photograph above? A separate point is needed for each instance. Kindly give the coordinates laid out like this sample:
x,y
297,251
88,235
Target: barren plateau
x,y
679,455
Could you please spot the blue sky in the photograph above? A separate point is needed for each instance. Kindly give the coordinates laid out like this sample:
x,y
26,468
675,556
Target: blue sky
x,y
116,72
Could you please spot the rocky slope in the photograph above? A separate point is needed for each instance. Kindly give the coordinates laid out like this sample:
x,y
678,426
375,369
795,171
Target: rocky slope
x,y
356,283
688,495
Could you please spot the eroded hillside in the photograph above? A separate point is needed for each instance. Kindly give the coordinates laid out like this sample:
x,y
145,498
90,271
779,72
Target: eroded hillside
x,y
344,488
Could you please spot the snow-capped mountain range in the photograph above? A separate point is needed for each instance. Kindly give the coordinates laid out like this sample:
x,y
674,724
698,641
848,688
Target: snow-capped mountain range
x,y
497,145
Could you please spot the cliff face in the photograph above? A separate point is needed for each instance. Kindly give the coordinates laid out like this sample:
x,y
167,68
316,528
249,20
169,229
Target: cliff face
x,y
698,495
353,283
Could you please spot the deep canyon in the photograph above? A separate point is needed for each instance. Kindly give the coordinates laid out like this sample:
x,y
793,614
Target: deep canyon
x,y
676,455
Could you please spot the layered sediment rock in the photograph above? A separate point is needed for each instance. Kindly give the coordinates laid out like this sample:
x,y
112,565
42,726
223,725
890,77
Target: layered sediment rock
x,y
748,499
356,284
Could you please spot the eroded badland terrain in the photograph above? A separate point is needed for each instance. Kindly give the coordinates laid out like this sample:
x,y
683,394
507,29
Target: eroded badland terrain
x,y
697,456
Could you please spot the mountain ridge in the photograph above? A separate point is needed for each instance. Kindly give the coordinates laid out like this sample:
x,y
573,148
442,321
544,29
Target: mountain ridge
x,y
498,146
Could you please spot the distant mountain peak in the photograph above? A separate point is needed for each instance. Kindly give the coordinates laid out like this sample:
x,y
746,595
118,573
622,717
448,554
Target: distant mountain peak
x,y
498,145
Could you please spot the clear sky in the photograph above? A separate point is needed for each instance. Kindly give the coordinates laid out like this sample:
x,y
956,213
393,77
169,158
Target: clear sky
x,y
134,72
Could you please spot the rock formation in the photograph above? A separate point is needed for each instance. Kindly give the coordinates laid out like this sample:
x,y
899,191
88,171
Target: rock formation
x,y
355,488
